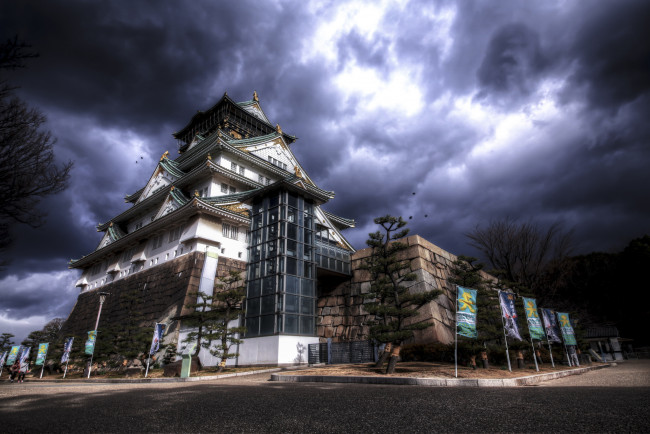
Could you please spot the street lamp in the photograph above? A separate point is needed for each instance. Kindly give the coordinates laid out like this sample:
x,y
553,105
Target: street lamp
x,y
102,299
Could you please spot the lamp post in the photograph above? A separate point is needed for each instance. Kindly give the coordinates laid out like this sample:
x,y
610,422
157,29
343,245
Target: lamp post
x,y
102,299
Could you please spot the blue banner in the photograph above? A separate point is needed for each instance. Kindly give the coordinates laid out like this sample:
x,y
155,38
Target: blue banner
x,y
566,328
550,326
25,354
507,301
158,331
67,347
466,315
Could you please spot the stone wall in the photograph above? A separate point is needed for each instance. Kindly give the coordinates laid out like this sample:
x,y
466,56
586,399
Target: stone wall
x,y
158,295
342,317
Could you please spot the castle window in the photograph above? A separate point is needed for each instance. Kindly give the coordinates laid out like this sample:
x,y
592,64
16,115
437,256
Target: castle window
x,y
233,190
138,225
157,242
242,170
229,231
224,188
175,233
233,167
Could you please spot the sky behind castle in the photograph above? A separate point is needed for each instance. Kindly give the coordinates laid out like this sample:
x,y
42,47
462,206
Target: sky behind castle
x,y
450,114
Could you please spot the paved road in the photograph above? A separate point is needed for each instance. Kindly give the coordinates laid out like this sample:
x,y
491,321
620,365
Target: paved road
x,y
613,399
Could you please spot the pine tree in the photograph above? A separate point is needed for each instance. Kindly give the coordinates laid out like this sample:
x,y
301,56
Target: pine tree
x,y
389,298
228,300
6,341
201,319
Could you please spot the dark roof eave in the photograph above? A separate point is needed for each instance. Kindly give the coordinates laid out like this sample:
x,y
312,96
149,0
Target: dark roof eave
x,y
192,207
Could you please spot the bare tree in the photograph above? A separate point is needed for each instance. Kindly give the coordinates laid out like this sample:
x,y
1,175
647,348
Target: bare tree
x,y
519,252
27,163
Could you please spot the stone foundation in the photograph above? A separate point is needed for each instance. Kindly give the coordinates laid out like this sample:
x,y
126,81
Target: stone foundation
x,y
341,314
160,295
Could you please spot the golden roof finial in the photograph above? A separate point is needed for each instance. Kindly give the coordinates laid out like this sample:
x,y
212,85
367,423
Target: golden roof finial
x,y
278,129
255,98
297,171
209,157
196,193
165,155
172,189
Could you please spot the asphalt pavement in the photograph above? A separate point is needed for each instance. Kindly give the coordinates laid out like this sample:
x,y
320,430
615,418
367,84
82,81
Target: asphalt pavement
x,y
607,400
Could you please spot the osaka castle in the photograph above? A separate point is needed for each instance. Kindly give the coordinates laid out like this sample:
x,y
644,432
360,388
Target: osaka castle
x,y
234,198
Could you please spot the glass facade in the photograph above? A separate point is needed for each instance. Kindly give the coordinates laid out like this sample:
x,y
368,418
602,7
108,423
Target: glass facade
x,y
329,255
281,286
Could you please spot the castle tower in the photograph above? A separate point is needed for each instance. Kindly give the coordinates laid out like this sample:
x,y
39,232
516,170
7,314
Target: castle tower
x,y
235,198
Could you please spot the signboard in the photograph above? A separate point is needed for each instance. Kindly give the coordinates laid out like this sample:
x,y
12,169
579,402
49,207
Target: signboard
x,y
566,329
534,323
42,354
90,342
13,354
466,314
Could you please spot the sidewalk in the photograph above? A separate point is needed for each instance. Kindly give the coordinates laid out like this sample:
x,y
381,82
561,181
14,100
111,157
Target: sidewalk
x,y
438,382
150,380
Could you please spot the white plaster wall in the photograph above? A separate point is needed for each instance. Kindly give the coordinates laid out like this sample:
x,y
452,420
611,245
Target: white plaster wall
x,y
274,350
288,349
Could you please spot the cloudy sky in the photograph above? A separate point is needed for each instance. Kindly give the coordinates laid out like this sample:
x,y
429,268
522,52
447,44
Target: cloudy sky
x,y
450,114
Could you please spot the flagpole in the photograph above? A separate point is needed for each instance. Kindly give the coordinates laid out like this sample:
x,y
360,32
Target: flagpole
x,y
66,369
505,337
566,351
42,367
534,355
456,335
147,371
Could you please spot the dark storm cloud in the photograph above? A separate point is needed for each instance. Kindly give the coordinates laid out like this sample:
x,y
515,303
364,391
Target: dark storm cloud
x,y
612,52
512,62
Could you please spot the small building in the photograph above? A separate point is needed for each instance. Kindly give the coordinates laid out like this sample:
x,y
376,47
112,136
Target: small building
x,y
606,342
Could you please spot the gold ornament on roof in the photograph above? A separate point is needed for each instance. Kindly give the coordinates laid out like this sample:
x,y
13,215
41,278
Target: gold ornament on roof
x,y
255,96
278,129
196,193
209,157
297,171
165,155
238,209
172,189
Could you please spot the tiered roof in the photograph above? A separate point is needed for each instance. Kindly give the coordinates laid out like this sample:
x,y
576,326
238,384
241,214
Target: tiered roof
x,y
205,137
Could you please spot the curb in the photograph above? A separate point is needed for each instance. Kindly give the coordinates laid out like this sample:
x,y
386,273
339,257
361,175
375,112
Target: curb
x,y
155,380
437,382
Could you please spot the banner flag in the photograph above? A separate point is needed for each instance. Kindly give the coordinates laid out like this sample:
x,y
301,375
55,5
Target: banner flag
x,y
3,358
42,354
13,354
67,347
23,356
90,343
567,331
532,315
507,301
550,325
158,331
466,315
